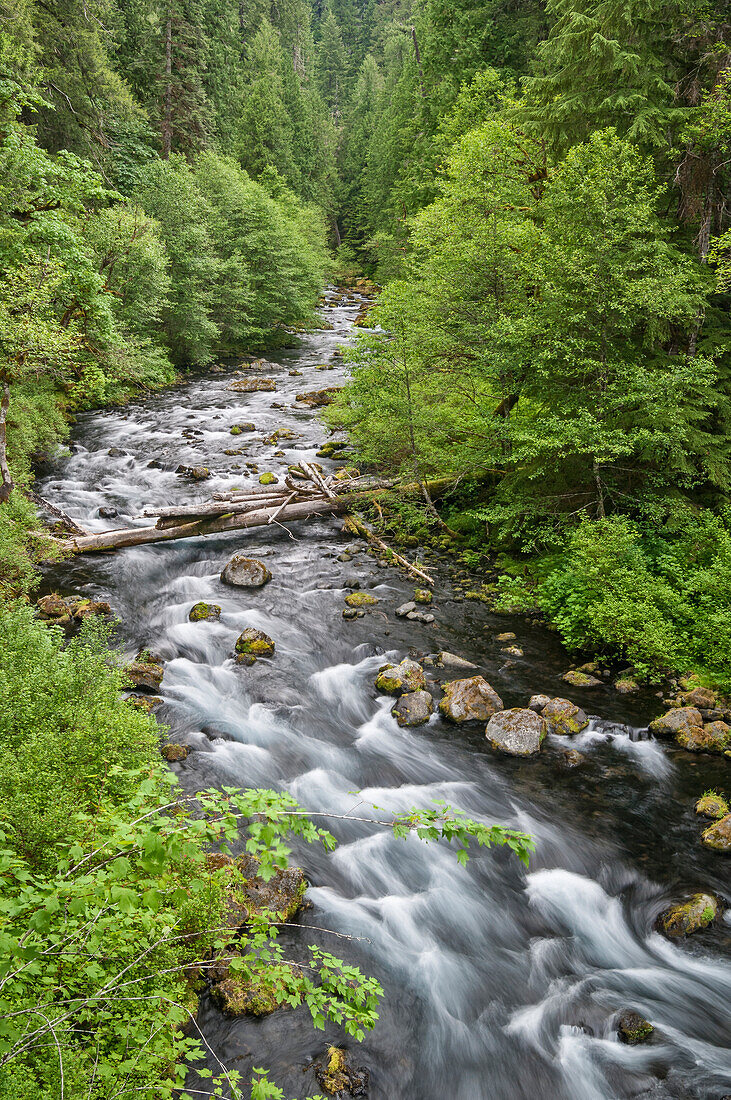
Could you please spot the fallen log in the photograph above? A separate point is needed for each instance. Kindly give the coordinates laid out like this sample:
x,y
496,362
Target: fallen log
x,y
356,526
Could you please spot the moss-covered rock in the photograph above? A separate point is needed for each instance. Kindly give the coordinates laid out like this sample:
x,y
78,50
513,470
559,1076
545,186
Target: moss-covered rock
x,y
700,697
268,478
717,837
691,916
469,700
413,708
423,595
360,599
330,448
564,717
580,679
64,610
254,643
240,994
680,720
174,753
712,737
517,732
244,572
251,385
626,686
713,805
336,1076
145,675
204,612
398,679
247,426
506,636
633,1028
250,895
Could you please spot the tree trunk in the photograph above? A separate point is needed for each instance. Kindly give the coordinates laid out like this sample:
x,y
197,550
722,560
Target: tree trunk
x,y
6,480
167,121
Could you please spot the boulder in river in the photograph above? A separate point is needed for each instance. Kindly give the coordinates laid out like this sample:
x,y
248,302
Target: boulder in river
x,y
564,717
506,636
571,758
398,679
518,732
413,708
713,805
512,651
195,473
700,697
336,1076
145,675
538,702
685,720
717,837
451,660
633,1028
626,686
62,611
174,753
250,385
240,994
268,478
253,643
405,609
469,700
361,599
692,915
243,572
204,612
315,399
712,737
282,895
580,679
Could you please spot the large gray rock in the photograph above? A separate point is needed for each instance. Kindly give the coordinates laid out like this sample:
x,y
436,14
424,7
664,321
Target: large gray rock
x,y
398,679
564,717
245,572
681,720
682,920
413,708
469,700
518,732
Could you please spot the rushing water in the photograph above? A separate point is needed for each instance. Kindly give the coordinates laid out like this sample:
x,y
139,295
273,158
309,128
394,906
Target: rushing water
x,y
499,985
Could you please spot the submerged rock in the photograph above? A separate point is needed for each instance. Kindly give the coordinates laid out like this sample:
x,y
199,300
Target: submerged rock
x,y
243,572
580,679
712,805
633,1028
564,717
398,679
718,836
518,732
506,636
512,651
204,612
413,708
712,737
254,643
572,758
683,720
682,920
470,700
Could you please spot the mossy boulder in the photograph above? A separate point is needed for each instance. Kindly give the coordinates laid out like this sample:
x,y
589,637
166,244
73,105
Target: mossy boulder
x,y
195,473
512,651
506,636
413,708
145,675
691,916
577,678
633,1028
336,1076
398,679
251,385
243,572
204,612
249,895
564,717
469,700
64,610
712,805
254,643
330,448
680,720
626,686
360,599
237,429
700,697
268,478
174,753
240,994
717,837
712,737
538,702
423,595
517,732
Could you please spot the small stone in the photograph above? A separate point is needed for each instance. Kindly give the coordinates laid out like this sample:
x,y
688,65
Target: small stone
x,y
247,426
195,473
345,557
451,660
243,572
251,385
564,717
512,651
682,920
350,613
712,805
254,643
572,758
401,678
538,702
518,732
506,636
108,513
174,753
204,612
413,708
718,836
580,679
116,452
361,599
633,1028
470,700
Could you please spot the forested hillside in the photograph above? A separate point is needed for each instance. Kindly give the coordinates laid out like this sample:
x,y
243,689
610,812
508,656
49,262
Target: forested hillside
x,y
539,194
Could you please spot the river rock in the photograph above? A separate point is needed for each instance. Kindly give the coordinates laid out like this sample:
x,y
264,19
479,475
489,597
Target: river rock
x,y
250,385
204,612
243,572
399,679
685,720
62,611
423,595
712,805
512,651
361,599
239,995
682,920
580,679
405,609
518,732
538,702
451,660
712,737
246,426
700,697
718,836
564,717
633,1028
413,708
145,675
107,512
626,686
315,399
195,473
283,894
174,753
253,643
336,1076
506,636
571,758
470,700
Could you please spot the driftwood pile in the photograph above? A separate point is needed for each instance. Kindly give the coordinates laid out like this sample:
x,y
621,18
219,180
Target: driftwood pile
x,y
311,494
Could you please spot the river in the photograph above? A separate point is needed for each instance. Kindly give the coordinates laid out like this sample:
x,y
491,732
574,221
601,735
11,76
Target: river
x,y
499,984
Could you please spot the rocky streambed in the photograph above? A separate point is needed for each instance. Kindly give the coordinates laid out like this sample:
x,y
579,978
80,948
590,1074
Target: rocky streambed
x,y
500,984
